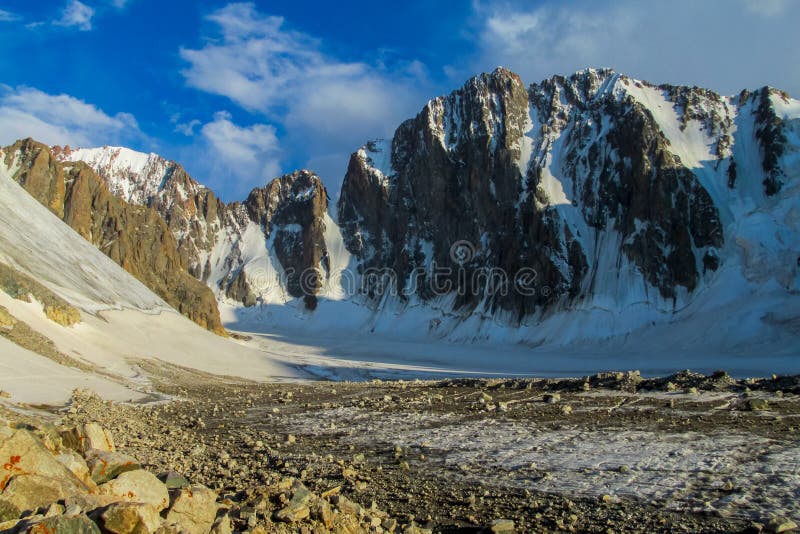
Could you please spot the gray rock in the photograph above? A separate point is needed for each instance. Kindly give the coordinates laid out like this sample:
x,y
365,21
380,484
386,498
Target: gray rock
x,y
79,524
173,480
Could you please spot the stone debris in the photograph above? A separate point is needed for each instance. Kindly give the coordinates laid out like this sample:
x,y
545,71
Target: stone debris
x,y
82,485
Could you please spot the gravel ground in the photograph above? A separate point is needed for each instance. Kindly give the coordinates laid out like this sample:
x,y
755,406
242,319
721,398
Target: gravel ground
x,y
608,453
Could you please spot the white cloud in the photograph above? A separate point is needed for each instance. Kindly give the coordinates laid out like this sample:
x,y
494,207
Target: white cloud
x,y
325,104
8,16
246,154
76,14
709,43
187,128
766,8
60,119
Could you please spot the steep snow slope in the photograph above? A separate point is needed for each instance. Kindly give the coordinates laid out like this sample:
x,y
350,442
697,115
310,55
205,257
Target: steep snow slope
x,y
35,241
122,321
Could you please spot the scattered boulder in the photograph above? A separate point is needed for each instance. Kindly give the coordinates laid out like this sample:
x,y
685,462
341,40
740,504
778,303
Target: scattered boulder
x,y
30,492
298,508
87,436
194,509
173,480
77,465
502,526
63,524
778,525
138,486
551,398
23,453
131,518
105,465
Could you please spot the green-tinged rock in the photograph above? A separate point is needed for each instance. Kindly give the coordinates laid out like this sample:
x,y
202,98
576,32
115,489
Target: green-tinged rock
x,y
31,492
8,510
79,524
755,405
105,466
89,502
138,486
194,509
298,508
778,525
131,518
173,480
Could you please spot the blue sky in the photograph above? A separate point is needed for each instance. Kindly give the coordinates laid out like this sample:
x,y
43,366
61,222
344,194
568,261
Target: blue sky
x,y
242,92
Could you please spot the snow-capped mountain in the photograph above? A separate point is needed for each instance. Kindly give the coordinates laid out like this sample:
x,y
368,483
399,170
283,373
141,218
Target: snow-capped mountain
x,y
135,237
257,250
121,323
618,194
621,204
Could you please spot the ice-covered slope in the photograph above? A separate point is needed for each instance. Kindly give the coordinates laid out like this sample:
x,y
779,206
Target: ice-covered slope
x,y
37,242
122,321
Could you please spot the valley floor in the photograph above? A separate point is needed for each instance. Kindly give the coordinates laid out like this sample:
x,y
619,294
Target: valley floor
x,y
613,452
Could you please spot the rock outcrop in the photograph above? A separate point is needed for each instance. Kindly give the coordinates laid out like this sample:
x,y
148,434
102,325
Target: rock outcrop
x,y
135,237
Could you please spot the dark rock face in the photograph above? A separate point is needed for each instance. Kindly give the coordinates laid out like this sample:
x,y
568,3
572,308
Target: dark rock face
x,y
769,132
291,211
193,214
474,167
135,237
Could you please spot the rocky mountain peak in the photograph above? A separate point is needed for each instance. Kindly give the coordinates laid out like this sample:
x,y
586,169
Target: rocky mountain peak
x,y
611,189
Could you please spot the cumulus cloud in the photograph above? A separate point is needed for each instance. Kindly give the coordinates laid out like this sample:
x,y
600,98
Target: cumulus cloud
x,y
324,104
60,119
76,14
710,43
247,155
